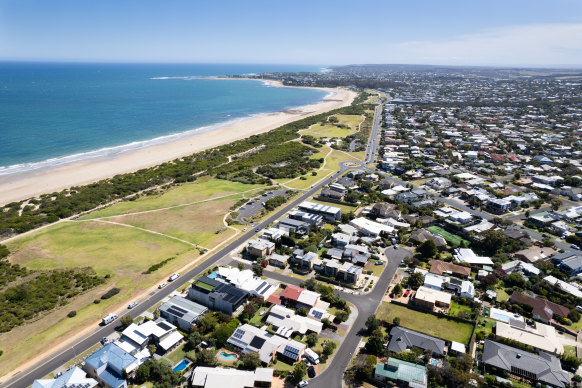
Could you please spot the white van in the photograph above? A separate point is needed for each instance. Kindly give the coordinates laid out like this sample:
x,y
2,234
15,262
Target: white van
x,y
173,277
311,356
109,318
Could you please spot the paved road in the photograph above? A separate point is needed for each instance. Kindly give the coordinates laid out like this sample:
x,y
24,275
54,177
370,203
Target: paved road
x,y
367,304
46,366
247,211
372,146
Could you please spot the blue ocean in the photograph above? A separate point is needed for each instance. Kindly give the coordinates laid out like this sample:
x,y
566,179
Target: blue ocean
x,y
55,113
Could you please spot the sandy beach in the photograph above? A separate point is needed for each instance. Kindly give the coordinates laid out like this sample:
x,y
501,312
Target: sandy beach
x,y
19,186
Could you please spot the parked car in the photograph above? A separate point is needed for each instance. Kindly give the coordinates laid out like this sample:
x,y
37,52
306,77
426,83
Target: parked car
x,y
244,229
311,372
303,383
406,293
132,305
257,230
379,262
173,277
574,246
164,284
104,341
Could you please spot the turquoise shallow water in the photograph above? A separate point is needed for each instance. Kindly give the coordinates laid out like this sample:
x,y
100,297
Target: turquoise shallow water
x,y
52,114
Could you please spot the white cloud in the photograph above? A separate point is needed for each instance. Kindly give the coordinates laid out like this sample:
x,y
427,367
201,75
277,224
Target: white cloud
x,y
531,45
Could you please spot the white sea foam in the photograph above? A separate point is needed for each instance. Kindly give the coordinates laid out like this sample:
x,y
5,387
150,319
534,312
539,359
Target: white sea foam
x,y
112,151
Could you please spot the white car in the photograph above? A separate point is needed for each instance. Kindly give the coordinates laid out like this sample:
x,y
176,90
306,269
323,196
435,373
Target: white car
x,y
164,284
303,383
132,305
173,277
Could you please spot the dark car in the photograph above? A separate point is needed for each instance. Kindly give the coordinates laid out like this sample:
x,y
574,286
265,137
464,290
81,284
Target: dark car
x,y
311,372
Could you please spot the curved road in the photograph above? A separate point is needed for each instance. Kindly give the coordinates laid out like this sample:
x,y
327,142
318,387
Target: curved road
x,y
332,376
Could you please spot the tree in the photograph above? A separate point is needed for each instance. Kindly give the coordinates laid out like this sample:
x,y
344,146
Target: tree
x,y
515,280
372,323
302,311
207,323
194,339
251,360
397,290
328,348
415,280
240,266
326,323
489,281
311,339
396,321
299,372
143,373
427,249
152,349
574,315
492,241
126,320
555,203
374,345
257,270
310,284
206,357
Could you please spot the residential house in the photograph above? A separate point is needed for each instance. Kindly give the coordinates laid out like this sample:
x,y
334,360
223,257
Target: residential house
x,y
294,226
543,368
542,310
110,365
569,262
279,260
402,339
330,213
182,312
259,247
371,228
73,377
331,267
520,267
349,273
466,255
439,183
332,194
246,280
402,373
441,267
542,218
207,377
535,253
429,298
315,220
542,338
287,323
248,338
160,332
217,295
421,235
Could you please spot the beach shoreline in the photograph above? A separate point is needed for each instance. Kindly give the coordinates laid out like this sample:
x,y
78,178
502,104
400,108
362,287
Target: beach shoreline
x,y
21,186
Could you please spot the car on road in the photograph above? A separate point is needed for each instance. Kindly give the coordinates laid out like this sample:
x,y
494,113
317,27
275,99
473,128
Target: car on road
x,y
311,372
257,230
173,277
303,383
132,305
264,194
574,246
104,341
244,229
162,285
270,192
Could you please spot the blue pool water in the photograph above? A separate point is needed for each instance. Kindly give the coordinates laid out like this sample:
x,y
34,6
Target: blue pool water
x,y
227,356
212,275
181,366
500,317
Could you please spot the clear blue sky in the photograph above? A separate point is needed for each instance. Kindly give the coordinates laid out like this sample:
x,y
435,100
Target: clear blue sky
x,y
492,32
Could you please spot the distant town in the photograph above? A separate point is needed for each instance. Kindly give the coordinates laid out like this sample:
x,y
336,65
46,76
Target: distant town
x,y
428,235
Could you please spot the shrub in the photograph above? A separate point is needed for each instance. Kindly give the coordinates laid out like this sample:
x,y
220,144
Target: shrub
x,y
111,293
71,314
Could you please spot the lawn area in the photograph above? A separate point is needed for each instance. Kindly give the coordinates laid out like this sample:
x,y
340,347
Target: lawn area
x,y
121,252
376,269
327,130
319,347
451,238
280,365
456,309
571,350
257,319
426,323
353,121
177,355
197,224
301,184
485,326
203,189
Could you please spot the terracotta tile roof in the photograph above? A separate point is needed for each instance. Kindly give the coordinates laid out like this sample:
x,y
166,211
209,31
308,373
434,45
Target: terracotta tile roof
x,y
291,292
439,267
541,307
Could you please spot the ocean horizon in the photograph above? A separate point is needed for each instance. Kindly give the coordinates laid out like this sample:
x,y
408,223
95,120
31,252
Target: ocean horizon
x,y
59,113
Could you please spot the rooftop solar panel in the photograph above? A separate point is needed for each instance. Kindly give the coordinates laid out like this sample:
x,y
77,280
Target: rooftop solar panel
x,y
177,313
292,349
290,355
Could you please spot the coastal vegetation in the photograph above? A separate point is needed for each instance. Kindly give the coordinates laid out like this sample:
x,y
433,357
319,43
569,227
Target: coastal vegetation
x,y
277,156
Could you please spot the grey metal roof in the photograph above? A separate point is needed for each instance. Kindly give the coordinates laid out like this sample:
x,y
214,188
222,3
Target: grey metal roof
x,y
545,367
402,339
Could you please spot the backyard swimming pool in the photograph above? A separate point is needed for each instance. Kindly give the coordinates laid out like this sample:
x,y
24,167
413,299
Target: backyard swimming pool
x,y
181,366
226,356
504,316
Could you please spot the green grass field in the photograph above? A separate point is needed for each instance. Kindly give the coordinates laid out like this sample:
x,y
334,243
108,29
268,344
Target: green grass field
x,y
330,130
456,309
451,238
426,323
344,208
197,224
202,189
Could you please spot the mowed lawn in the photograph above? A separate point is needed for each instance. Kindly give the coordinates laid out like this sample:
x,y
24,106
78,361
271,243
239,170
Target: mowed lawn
x,y
200,224
450,237
426,323
203,189
330,130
